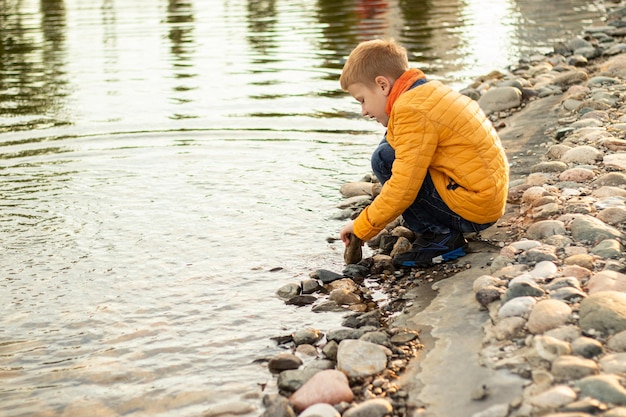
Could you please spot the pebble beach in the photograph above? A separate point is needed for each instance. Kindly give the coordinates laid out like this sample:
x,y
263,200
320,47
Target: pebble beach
x,y
548,281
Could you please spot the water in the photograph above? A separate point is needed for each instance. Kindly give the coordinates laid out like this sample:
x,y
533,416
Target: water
x,y
166,166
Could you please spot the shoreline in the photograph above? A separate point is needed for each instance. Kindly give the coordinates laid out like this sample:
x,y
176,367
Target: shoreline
x,y
509,330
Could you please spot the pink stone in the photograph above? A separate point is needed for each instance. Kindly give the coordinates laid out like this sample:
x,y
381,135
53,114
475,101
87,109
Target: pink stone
x,y
616,145
577,175
576,271
547,315
607,281
329,386
533,193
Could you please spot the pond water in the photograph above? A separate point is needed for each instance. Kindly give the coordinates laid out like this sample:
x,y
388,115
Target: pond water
x,y
165,166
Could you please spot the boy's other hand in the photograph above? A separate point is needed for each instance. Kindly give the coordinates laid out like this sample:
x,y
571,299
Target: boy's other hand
x,y
345,233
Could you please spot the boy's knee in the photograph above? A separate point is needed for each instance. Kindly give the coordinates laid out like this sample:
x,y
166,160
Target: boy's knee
x,y
382,161
383,155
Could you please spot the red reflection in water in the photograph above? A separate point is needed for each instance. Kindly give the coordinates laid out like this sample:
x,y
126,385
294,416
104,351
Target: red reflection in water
x,y
372,18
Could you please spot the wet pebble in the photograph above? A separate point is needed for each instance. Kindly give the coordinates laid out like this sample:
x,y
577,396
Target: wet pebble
x,y
358,358
376,407
329,386
320,410
284,361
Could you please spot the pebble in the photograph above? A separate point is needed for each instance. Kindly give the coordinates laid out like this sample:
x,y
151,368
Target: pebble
x,y
554,397
617,342
376,407
358,358
604,387
550,348
284,361
548,314
517,307
329,386
320,410
568,367
587,347
604,312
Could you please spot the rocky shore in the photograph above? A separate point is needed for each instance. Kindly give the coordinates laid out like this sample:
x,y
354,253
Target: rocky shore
x,y
547,284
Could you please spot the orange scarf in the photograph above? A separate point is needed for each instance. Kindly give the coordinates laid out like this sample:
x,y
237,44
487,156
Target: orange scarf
x,y
402,84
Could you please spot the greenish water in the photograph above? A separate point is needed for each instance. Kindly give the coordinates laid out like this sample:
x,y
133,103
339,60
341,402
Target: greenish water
x,y
166,166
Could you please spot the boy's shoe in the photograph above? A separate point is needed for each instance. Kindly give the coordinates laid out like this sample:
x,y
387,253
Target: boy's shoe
x,y
431,248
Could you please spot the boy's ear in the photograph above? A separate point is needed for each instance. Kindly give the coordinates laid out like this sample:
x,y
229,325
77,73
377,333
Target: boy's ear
x,y
384,84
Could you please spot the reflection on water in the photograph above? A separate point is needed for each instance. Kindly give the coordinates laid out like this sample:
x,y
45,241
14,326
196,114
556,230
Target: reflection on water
x,y
165,166
182,60
31,47
181,22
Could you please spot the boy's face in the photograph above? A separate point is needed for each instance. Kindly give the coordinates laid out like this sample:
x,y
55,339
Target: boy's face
x,y
373,99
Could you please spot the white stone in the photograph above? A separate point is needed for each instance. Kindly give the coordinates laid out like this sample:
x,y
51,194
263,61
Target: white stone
x,y
320,410
544,269
533,193
554,397
523,245
522,278
610,202
517,307
584,154
500,98
485,281
568,193
358,358
614,363
550,348
615,161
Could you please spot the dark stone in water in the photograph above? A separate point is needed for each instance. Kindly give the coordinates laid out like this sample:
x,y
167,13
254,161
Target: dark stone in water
x,y
282,340
309,286
277,406
302,300
283,362
327,276
327,306
344,333
371,318
356,271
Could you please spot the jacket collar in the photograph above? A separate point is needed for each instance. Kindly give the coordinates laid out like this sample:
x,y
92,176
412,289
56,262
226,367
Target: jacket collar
x,y
402,84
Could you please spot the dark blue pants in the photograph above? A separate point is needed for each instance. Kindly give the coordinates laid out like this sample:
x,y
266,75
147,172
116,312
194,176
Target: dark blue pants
x,y
428,212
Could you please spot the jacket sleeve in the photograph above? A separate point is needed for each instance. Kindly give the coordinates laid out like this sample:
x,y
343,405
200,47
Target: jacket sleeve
x,y
414,140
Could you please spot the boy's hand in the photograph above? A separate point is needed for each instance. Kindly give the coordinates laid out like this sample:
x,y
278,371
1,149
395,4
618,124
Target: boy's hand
x,y
345,233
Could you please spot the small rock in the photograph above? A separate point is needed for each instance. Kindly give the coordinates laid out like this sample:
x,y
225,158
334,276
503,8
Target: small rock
x,y
606,388
327,386
284,361
358,358
548,314
377,407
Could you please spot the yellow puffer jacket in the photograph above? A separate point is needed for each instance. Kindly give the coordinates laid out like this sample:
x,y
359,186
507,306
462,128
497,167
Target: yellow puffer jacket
x,y
435,128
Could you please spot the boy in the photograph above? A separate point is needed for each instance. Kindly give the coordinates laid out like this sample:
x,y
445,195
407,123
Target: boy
x,y
441,164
